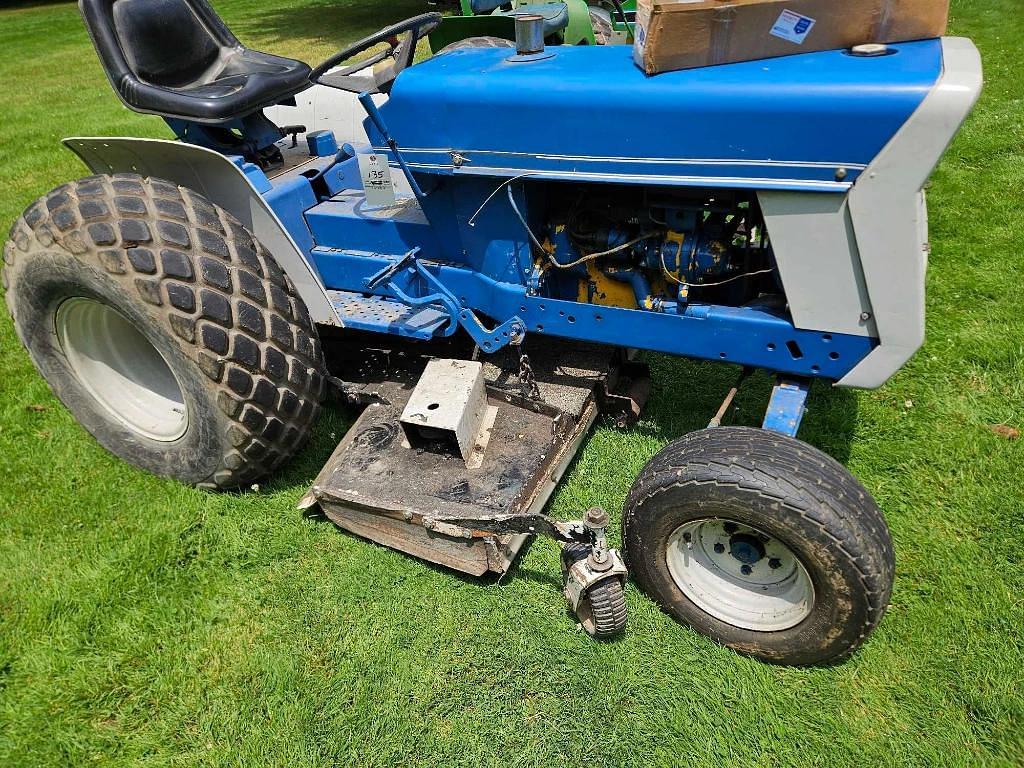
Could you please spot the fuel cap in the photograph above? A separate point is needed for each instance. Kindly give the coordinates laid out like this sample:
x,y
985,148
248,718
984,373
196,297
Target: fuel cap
x,y
871,49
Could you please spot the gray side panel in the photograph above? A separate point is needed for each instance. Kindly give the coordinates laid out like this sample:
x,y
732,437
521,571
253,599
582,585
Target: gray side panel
x,y
221,181
889,217
812,237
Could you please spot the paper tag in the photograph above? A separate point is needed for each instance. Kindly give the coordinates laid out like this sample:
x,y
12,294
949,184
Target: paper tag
x,y
792,27
377,184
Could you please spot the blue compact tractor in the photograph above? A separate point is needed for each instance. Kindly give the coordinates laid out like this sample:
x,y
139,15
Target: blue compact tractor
x,y
474,260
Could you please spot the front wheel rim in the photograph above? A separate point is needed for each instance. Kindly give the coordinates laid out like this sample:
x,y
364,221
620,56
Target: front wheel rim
x,y
122,370
740,575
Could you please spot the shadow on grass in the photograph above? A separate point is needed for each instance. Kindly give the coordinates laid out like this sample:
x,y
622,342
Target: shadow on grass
x,y
337,20
299,473
686,394
18,5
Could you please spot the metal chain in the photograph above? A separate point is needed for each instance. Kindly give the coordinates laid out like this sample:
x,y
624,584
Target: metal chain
x,y
526,379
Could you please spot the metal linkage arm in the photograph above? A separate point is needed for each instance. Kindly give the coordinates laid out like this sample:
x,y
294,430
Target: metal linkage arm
x,y
512,331
573,532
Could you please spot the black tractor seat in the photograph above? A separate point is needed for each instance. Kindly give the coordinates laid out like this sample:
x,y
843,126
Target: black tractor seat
x,y
177,59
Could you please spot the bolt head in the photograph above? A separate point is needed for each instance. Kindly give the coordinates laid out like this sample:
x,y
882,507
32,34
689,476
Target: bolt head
x,y
774,563
719,547
596,517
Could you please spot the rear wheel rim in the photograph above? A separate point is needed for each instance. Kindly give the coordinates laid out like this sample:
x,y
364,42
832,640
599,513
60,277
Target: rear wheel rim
x,y
122,369
740,575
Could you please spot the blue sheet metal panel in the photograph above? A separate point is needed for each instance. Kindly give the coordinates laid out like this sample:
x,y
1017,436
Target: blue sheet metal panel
x,y
344,222
343,175
289,198
787,405
495,244
254,173
743,335
588,111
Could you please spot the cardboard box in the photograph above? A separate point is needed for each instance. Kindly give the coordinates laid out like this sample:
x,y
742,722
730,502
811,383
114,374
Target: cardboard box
x,y
681,34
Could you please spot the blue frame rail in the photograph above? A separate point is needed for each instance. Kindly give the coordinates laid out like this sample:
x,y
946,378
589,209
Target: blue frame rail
x,y
748,336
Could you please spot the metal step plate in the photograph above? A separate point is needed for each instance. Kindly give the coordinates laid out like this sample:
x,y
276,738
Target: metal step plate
x,y
378,315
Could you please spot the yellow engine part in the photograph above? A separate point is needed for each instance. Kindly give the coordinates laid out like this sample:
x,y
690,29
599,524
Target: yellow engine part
x,y
598,288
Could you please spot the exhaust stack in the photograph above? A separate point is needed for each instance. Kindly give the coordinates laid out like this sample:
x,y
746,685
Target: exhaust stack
x,y
529,34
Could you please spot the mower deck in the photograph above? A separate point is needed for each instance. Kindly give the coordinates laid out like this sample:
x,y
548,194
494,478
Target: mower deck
x,y
378,486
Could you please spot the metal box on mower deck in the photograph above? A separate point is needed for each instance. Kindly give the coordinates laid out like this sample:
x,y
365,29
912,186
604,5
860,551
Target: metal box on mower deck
x,y
473,277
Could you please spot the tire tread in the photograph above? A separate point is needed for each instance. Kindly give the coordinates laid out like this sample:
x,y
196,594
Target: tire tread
x,y
791,474
206,278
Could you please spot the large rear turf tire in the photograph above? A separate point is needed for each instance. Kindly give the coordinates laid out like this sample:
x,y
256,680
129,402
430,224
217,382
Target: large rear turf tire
x,y
761,542
165,328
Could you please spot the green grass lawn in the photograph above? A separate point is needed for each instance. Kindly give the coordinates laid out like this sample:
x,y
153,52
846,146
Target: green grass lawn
x,y
142,622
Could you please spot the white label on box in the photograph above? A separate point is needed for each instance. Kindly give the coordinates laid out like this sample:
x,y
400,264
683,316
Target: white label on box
x,y
792,26
377,184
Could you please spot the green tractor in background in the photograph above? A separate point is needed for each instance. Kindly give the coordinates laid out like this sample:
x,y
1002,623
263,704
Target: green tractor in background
x,y
567,22
612,21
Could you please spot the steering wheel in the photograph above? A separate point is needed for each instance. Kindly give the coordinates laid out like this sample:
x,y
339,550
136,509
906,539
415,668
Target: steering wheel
x,y
401,39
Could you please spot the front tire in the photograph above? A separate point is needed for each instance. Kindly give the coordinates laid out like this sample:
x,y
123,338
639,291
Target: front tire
x,y
165,327
761,542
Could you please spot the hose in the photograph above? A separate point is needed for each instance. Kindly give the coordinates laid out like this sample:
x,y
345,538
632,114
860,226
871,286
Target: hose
x,y
522,220
497,189
676,280
571,264
610,251
602,254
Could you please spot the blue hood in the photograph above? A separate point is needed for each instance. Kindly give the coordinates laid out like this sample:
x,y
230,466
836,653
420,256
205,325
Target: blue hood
x,y
589,112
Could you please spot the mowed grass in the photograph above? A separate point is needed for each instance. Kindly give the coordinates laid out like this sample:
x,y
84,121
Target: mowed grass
x,y
142,622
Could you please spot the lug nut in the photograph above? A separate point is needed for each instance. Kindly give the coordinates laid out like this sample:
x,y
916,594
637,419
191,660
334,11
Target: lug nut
x,y
745,569
774,563
719,547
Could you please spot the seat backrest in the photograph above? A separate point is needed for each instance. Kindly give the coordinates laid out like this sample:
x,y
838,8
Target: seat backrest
x,y
168,43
